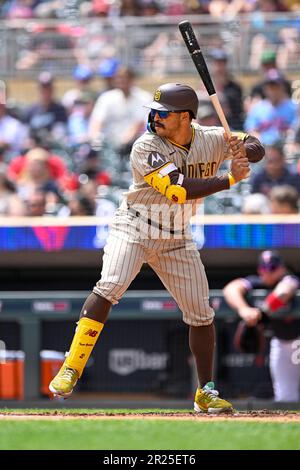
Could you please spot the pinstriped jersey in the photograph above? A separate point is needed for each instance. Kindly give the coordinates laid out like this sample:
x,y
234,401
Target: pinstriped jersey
x,y
207,151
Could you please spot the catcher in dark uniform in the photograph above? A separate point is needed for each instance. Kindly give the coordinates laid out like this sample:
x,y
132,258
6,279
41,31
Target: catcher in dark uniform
x,y
282,287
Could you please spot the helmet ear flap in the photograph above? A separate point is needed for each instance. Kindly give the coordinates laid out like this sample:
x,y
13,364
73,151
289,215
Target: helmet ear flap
x,y
150,124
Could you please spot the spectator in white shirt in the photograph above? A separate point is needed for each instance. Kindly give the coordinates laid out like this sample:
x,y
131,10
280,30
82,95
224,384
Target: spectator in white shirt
x,y
12,134
119,116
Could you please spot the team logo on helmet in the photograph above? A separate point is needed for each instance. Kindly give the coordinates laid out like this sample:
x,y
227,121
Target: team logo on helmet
x,y
157,95
156,160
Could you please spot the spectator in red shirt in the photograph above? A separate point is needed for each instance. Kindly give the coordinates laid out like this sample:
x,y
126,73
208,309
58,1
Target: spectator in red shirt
x,y
57,168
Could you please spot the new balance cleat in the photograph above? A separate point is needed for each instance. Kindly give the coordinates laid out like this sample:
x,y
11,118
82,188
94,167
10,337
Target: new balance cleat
x,y
59,398
63,383
207,401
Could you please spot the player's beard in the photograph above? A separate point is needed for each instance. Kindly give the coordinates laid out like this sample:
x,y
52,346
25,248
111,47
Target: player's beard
x,y
160,129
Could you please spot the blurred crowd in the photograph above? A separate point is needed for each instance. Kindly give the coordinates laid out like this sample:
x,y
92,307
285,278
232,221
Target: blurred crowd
x,y
70,156
58,34
13,9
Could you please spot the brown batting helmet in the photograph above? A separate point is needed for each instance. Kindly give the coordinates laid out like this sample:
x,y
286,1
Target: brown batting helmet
x,y
175,97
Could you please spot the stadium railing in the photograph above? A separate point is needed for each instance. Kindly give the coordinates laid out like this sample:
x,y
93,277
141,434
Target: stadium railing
x,y
151,45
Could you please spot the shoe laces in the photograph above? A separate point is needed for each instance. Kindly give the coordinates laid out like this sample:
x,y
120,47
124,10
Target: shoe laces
x,y
68,374
210,392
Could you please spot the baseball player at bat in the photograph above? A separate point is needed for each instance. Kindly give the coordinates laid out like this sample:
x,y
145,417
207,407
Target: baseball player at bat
x,y
174,165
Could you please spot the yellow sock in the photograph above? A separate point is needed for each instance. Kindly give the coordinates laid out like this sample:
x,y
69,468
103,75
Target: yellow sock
x,y
84,340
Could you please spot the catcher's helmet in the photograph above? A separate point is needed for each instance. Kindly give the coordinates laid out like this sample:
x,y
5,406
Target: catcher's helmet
x,y
175,97
270,260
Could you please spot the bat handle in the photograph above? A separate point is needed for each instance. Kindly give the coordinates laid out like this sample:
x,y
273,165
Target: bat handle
x,y
216,104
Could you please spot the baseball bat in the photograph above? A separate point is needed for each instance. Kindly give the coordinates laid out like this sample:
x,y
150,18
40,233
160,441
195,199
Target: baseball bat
x,y
193,47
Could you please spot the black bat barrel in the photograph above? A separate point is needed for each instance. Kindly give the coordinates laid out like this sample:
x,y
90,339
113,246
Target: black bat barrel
x,y
193,47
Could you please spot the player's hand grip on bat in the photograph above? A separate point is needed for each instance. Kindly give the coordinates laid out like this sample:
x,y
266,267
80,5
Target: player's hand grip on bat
x,y
251,315
240,164
239,170
236,146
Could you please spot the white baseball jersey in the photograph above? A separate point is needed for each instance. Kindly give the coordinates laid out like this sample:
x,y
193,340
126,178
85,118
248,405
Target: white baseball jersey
x,y
207,151
149,228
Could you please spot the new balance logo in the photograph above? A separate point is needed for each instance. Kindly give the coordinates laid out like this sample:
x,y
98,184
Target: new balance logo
x,y
91,333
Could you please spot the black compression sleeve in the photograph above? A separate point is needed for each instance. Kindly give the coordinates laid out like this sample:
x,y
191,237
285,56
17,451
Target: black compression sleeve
x,y
197,188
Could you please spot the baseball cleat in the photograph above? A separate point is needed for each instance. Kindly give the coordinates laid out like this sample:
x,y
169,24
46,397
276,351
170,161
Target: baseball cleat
x,y
59,398
208,401
63,383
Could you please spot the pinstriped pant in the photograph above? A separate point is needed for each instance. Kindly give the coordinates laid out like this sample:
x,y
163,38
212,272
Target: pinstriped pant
x,y
176,262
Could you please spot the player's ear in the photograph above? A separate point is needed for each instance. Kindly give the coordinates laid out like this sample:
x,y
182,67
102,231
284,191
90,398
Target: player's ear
x,y
185,116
